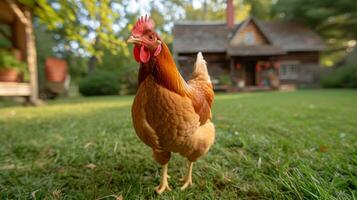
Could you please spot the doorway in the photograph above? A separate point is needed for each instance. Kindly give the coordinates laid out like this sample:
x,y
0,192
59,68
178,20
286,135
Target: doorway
x,y
250,73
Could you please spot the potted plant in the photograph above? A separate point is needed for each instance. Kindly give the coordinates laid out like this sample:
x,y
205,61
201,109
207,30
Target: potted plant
x,y
56,70
10,67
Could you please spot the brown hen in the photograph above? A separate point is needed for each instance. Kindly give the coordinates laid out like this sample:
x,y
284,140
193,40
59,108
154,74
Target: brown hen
x,y
170,115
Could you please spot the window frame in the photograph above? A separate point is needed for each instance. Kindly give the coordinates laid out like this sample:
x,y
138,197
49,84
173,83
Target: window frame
x,y
289,70
249,38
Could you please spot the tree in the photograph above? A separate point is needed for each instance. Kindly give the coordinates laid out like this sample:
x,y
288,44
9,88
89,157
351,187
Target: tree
x,y
215,10
260,9
86,25
336,21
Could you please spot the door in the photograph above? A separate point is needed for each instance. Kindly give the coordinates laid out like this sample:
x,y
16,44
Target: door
x,y
250,74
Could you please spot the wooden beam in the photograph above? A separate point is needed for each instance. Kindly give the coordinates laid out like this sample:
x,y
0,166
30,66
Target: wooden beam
x,y
18,11
31,57
14,89
232,70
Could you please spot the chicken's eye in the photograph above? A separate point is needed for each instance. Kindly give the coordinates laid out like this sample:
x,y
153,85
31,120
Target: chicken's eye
x,y
151,37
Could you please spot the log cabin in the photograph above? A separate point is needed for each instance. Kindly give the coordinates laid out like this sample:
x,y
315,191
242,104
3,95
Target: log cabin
x,y
251,55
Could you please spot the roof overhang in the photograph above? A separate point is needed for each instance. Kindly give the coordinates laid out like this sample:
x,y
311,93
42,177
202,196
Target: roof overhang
x,y
193,50
258,50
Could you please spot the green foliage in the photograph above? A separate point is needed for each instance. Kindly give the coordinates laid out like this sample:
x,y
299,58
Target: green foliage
x,y
224,79
76,21
77,67
215,10
212,10
124,66
342,77
5,42
334,20
8,61
46,42
277,145
44,48
261,9
99,83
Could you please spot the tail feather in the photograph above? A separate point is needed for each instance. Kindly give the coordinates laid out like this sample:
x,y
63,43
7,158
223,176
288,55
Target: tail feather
x,y
201,90
200,68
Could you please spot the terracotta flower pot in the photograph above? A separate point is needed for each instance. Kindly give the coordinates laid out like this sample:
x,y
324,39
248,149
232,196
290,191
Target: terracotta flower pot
x,y
56,70
8,75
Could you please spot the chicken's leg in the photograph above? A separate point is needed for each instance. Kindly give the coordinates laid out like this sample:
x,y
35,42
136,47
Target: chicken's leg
x,y
188,179
164,185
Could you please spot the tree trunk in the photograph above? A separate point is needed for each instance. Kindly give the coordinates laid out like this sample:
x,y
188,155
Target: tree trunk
x,y
92,64
93,59
205,10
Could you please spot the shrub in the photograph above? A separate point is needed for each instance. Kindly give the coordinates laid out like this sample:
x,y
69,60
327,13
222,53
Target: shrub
x,y
99,83
342,77
224,79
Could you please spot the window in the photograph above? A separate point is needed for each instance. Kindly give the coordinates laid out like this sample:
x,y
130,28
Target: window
x,y
249,38
289,71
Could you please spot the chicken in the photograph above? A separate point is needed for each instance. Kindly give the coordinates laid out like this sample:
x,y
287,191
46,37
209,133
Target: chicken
x,y
170,115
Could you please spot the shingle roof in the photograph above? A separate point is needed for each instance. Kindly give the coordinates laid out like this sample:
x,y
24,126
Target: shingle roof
x,y
261,50
292,36
191,37
194,37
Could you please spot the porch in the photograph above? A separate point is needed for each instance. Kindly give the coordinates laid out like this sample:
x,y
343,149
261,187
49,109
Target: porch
x,y
236,73
254,73
16,29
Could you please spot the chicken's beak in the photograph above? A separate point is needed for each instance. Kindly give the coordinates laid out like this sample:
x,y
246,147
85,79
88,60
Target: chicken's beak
x,y
134,40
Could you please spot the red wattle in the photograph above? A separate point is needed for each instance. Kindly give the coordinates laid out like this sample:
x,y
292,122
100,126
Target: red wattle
x,y
136,53
144,54
158,50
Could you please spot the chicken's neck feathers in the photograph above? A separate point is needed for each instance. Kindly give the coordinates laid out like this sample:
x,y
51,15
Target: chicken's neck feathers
x,y
164,71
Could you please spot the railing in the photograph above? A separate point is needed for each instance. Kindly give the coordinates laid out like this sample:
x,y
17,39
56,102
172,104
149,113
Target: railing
x,y
14,89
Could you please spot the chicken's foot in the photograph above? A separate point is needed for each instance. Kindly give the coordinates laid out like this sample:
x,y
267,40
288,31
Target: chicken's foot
x,y
188,179
164,185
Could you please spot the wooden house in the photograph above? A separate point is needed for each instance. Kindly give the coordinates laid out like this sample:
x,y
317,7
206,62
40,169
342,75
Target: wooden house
x,y
18,19
251,54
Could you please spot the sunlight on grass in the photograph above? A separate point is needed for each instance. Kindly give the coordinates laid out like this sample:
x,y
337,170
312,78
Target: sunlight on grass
x,y
76,107
276,145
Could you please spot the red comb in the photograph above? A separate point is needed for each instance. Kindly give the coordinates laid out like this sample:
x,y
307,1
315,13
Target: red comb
x,y
143,24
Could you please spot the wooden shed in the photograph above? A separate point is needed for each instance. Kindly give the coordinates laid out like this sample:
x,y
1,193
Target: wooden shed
x,y
18,19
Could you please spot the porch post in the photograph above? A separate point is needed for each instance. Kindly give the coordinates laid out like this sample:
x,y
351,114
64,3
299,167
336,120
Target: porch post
x,y
31,57
232,70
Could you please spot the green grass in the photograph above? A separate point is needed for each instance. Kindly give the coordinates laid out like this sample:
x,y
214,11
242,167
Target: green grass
x,y
297,145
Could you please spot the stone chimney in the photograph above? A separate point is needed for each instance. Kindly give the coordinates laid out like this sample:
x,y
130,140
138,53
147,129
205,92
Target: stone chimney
x,y
230,14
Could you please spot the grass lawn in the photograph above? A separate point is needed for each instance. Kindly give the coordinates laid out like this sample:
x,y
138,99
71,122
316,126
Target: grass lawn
x,y
297,145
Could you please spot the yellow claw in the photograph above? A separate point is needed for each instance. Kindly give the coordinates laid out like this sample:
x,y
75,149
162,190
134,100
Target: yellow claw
x,y
188,178
164,184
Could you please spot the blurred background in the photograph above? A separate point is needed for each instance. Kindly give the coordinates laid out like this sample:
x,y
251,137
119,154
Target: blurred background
x,y
285,109
70,48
